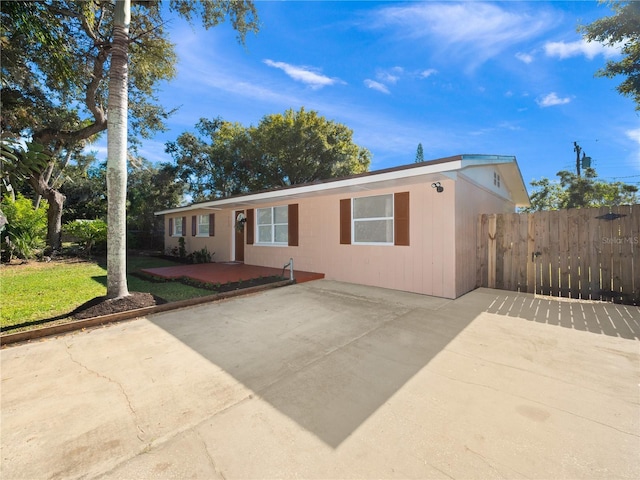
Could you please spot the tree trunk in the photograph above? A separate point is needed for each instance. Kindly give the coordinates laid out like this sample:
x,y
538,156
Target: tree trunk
x,y
117,154
54,218
54,212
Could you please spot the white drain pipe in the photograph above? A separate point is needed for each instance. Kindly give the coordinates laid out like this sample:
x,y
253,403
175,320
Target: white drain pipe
x,y
290,265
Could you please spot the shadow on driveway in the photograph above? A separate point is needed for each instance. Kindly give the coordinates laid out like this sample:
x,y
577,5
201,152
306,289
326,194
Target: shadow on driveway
x,y
610,319
328,380
330,355
327,356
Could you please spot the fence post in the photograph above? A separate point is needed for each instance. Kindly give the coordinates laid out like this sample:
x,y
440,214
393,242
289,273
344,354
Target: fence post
x,y
491,251
531,253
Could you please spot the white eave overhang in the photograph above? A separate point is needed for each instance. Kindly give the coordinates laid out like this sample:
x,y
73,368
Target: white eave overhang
x,y
429,172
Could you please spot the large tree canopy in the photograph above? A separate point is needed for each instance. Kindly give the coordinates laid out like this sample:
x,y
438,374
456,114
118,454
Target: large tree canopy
x,y
283,149
621,29
56,58
579,191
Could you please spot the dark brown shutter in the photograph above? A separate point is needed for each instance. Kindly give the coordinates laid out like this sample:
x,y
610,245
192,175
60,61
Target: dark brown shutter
x,y
293,225
171,227
249,226
401,218
194,225
212,224
345,221
184,226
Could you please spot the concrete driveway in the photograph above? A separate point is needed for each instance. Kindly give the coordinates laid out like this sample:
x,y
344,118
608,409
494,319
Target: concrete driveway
x,y
331,380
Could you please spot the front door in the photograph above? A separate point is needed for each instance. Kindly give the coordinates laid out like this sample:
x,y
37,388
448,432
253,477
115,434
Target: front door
x,y
239,239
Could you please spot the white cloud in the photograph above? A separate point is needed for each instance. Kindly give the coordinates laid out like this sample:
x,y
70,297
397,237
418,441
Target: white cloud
x,y
634,135
524,57
590,50
380,87
306,75
428,72
552,99
472,31
390,76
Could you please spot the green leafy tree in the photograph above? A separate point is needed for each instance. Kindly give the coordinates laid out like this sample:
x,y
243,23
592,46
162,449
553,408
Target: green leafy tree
x,y
419,154
302,147
56,61
215,162
85,189
579,191
150,188
88,233
283,149
621,29
24,233
17,163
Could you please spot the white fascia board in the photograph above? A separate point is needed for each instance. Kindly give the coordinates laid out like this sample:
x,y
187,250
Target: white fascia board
x,y
471,160
379,179
510,171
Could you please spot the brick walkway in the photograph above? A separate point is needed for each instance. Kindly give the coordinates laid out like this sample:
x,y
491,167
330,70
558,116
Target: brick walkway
x,y
227,272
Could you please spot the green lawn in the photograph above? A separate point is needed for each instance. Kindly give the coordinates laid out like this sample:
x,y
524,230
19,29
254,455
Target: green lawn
x,y
38,291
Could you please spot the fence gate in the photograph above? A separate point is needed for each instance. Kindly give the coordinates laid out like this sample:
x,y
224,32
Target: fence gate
x,y
588,253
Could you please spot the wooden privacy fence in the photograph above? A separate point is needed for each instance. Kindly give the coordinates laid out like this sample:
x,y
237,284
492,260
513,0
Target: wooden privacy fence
x,y
588,253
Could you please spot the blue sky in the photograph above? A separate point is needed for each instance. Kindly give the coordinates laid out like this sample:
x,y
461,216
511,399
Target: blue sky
x,y
508,78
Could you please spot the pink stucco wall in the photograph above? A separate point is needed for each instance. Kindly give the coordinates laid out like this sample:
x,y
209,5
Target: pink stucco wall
x,y
426,266
440,260
471,201
220,243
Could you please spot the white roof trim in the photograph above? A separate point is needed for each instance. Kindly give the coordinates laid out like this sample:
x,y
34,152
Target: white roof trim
x,y
368,179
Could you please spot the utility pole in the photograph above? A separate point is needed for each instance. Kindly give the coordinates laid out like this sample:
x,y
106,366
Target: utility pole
x,y
577,149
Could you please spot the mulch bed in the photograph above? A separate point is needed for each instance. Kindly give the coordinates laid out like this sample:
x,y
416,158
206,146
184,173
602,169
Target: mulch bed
x,y
99,306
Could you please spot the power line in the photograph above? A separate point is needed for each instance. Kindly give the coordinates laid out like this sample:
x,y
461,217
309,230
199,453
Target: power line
x,y
628,176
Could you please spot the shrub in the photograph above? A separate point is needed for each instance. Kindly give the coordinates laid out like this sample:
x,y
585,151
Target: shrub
x,y
88,233
26,229
201,256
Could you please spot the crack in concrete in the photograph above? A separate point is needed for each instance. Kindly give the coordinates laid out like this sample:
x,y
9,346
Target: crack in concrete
x,y
544,375
553,407
110,380
485,460
212,462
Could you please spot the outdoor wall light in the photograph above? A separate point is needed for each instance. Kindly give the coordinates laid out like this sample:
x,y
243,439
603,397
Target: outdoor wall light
x,y
439,188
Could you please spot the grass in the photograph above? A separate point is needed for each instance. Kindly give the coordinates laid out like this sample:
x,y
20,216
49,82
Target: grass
x,y
38,291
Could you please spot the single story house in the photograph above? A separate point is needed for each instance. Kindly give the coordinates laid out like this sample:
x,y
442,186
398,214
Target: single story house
x,y
410,228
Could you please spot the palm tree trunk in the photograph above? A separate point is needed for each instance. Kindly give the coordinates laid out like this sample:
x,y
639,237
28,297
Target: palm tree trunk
x,y
117,154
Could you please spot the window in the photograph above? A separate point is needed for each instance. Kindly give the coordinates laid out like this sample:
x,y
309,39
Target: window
x,y
203,225
373,219
376,220
177,227
273,225
496,179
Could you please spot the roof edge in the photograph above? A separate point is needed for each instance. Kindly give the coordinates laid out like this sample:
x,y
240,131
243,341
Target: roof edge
x,y
455,162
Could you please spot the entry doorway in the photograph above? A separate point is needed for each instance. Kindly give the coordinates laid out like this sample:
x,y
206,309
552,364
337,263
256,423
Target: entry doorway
x,y
239,238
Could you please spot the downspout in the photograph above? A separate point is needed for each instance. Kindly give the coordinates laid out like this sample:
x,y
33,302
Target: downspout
x,y
290,265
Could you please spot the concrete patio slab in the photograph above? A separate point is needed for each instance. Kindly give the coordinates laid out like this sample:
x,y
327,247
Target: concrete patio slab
x,y
332,380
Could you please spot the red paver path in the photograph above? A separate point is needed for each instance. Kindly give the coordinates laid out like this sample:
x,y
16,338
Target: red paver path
x,y
227,272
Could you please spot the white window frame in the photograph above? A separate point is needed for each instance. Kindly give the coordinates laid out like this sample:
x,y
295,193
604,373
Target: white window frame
x,y
200,224
175,232
369,219
272,225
